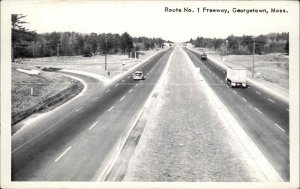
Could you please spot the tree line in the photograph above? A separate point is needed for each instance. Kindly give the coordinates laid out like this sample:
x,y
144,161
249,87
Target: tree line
x,y
27,43
264,44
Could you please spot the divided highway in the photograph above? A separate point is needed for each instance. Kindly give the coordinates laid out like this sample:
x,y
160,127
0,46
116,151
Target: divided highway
x,y
73,142
264,117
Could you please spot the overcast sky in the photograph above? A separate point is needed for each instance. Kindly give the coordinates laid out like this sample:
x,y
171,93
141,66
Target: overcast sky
x,y
150,19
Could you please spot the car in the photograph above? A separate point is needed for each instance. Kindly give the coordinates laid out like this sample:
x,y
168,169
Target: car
x,y
87,54
203,56
138,75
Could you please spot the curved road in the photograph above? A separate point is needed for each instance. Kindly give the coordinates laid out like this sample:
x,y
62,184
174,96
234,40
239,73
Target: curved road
x,y
72,142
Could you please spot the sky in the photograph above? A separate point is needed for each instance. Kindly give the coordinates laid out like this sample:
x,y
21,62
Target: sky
x,y
150,19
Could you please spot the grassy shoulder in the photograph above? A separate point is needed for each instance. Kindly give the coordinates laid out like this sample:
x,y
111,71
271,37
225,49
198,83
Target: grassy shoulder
x,y
48,89
270,69
52,88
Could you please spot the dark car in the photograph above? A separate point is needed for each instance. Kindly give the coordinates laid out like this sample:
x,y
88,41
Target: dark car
x,y
87,54
203,56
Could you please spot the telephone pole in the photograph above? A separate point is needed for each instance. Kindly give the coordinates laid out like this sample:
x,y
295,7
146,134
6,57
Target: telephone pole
x,y
253,56
105,63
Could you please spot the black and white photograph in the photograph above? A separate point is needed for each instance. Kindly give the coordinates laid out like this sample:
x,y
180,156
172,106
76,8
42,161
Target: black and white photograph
x,y
149,94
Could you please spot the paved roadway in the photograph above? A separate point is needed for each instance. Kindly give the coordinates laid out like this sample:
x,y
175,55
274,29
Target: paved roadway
x,y
72,142
264,117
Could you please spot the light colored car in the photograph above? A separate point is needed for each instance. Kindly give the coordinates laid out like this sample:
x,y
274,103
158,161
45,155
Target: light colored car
x,y
138,75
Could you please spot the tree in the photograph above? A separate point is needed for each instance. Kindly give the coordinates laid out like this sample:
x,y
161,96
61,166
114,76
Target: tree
x,y
126,43
21,37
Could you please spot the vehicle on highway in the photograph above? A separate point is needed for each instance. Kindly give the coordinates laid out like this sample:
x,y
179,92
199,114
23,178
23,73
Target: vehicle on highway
x,y
236,76
138,75
203,56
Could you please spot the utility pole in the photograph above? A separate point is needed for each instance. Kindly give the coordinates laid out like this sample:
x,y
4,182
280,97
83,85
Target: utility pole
x,y
226,47
253,56
105,63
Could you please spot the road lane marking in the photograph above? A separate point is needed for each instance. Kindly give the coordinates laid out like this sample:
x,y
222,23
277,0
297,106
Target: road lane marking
x,y
111,162
123,80
271,100
95,98
287,110
53,125
111,108
116,85
227,86
128,77
107,91
259,111
258,92
136,85
122,98
234,91
78,109
279,127
93,125
244,99
61,155
130,90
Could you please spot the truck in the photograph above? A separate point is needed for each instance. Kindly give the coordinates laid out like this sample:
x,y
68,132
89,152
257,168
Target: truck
x,y
236,76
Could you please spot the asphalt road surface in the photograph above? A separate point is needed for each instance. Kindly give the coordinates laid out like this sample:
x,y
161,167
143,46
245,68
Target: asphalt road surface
x,y
264,117
72,142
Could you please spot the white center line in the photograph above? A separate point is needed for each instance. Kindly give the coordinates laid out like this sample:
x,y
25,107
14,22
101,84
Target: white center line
x,y
78,109
63,154
279,127
234,91
93,125
122,98
258,111
107,91
244,99
258,92
271,100
130,91
111,108
136,84
95,98
116,85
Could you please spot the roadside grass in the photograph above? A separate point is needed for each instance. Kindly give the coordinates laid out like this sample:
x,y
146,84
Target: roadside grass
x,y
271,69
116,64
51,88
46,86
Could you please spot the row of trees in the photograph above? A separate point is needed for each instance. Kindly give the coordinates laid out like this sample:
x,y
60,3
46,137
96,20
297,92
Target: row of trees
x,y
30,44
270,43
